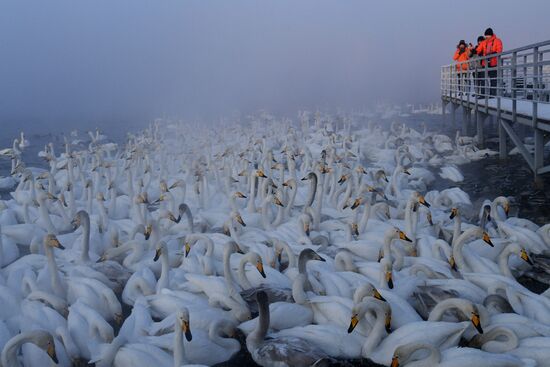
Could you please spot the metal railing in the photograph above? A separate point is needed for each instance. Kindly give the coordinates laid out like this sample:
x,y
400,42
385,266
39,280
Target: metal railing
x,y
521,74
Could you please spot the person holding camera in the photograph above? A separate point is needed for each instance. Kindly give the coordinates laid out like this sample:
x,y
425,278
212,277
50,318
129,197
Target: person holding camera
x,y
478,73
461,56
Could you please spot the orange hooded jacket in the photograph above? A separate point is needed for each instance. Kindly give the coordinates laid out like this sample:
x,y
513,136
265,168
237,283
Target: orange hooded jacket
x,y
464,56
490,46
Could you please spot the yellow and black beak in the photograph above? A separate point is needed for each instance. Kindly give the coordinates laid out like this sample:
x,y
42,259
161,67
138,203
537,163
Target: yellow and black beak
x,y
423,201
356,203
240,220
506,208
260,267
380,255
342,179
525,257
186,330
406,171
389,279
403,236
51,352
261,173
355,229
454,212
157,254
476,322
377,295
147,232
394,362
452,262
353,323
58,244
187,248
278,201
240,195
172,217
487,239
306,228
387,323
429,217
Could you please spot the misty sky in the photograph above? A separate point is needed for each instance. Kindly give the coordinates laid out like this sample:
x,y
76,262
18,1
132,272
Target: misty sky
x,y
80,62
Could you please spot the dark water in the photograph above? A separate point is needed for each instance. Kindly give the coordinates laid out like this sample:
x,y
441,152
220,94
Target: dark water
x,y
491,177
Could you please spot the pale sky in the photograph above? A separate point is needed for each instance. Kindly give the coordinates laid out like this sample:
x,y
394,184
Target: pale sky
x,y
79,61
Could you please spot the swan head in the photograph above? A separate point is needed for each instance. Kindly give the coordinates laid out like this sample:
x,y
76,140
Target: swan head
x,y
163,186
343,178
381,174
309,254
44,340
429,218
356,203
397,234
305,220
142,198
504,202
256,260
388,275
159,249
367,290
310,176
487,239
476,321
359,310
417,197
238,194
277,201
51,240
525,256
260,173
147,231
487,212
454,213
237,217
182,317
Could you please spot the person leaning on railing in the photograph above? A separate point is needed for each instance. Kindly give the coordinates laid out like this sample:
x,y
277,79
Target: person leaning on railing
x,y
477,67
462,54
491,45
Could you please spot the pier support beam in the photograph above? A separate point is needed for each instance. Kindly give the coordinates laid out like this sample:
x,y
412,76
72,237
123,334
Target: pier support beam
x,y
480,136
464,121
502,141
453,110
538,161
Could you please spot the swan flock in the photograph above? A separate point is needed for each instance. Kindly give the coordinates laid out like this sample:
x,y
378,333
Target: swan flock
x,y
319,242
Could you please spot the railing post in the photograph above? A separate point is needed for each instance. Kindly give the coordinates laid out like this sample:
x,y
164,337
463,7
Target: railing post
x,y
513,83
502,148
538,135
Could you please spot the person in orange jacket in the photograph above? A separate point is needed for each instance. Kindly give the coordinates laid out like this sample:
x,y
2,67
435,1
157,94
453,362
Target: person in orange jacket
x,y
462,54
491,45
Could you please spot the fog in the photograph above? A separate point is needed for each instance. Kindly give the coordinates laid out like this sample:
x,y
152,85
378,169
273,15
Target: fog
x,y
87,63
